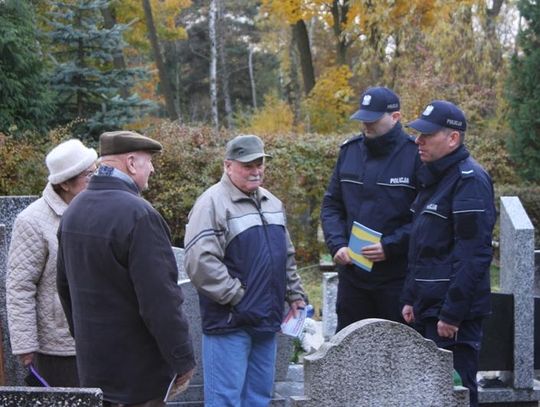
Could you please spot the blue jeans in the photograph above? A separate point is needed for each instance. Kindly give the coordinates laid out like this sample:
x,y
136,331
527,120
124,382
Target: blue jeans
x,y
239,368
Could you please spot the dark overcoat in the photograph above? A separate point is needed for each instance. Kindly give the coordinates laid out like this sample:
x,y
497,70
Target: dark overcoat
x,y
117,279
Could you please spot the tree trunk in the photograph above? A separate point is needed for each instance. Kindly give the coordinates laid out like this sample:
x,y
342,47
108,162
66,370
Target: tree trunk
x,y
301,38
213,63
165,83
252,78
224,67
178,86
339,15
490,27
293,87
376,68
109,20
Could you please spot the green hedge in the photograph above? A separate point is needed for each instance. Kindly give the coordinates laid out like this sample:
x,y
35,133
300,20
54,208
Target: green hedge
x,y
297,173
22,166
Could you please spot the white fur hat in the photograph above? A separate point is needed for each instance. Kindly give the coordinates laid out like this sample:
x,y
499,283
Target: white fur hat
x,y
68,159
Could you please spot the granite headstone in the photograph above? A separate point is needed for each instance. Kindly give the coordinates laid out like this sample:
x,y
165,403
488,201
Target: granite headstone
x,y
375,362
329,292
10,207
50,397
179,256
537,273
497,350
517,279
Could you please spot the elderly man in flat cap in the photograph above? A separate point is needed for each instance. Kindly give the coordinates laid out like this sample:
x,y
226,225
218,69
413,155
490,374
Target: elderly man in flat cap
x,y
117,279
241,260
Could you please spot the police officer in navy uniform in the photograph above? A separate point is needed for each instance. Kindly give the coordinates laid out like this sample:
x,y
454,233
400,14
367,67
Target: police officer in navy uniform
x,y
447,290
374,184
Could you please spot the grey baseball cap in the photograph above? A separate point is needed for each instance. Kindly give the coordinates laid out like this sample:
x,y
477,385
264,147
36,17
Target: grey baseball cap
x,y
245,148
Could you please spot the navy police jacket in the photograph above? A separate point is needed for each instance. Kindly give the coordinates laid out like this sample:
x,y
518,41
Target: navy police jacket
x,y
373,183
450,248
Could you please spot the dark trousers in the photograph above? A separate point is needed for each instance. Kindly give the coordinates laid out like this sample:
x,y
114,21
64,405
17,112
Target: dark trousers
x,y
465,348
58,371
355,303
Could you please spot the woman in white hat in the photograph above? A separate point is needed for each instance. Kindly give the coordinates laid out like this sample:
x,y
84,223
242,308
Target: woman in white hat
x,y
38,328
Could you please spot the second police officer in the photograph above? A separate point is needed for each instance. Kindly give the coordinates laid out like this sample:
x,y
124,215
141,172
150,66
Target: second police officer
x,y
447,293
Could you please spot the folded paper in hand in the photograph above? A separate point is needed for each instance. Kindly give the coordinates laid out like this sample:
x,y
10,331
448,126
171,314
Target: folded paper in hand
x,y
175,390
362,236
292,325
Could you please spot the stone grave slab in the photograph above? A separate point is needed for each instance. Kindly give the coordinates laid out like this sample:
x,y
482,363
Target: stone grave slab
x,y
375,362
50,397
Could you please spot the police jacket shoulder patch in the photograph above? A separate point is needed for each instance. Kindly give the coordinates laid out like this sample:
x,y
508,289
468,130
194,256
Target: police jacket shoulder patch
x,y
351,140
466,169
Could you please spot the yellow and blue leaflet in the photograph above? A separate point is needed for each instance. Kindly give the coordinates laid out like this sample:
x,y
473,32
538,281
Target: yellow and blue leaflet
x,y
362,236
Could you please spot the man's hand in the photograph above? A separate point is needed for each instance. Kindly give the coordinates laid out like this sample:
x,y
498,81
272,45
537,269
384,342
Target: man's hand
x,y
445,330
374,252
181,380
297,305
408,314
342,256
26,358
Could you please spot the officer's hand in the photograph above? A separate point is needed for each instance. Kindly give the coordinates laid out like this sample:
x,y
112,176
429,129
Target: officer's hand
x,y
374,252
408,314
445,330
342,256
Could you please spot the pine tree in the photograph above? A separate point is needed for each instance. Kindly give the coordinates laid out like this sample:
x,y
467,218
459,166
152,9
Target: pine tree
x,y
25,103
87,84
524,94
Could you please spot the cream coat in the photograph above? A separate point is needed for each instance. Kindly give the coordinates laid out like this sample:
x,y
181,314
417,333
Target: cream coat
x,y
36,319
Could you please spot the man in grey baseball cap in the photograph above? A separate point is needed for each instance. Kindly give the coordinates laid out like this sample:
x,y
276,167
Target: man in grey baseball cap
x,y
245,149
240,258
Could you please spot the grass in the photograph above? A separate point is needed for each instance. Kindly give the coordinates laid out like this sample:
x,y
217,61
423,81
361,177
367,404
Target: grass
x,y
495,277
312,282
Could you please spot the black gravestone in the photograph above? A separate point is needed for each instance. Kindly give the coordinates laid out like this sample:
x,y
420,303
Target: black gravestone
x,y
497,352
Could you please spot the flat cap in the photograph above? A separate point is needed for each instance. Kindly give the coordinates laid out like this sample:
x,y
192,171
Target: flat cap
x,y
123,141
